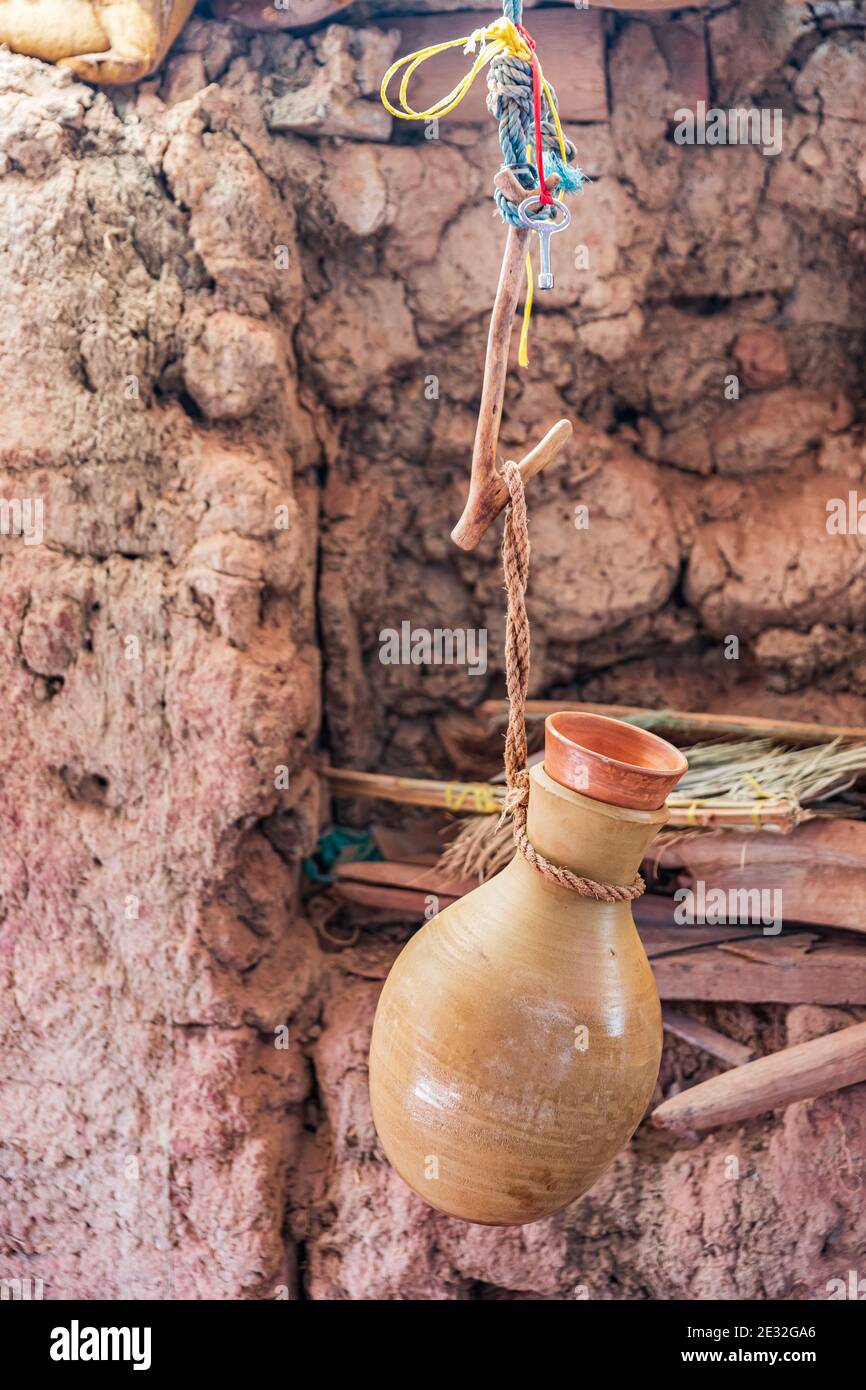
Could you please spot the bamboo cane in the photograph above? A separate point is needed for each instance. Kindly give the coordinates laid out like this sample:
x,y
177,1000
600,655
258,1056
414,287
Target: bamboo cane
x,y
486,798
481,798
687,723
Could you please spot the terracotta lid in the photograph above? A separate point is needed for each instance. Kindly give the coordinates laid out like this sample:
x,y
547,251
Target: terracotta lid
x,y
611,761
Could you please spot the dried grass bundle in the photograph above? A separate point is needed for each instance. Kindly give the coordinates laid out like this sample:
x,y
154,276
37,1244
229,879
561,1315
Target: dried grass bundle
x,y
746,770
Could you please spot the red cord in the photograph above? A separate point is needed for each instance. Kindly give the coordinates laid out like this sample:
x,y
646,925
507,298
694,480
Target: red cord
x,y
545,195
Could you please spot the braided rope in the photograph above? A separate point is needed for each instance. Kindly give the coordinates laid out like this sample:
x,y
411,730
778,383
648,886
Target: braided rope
x,y
509,101
515,566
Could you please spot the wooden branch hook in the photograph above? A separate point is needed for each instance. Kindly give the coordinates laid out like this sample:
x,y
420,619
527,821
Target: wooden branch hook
x,y
487,491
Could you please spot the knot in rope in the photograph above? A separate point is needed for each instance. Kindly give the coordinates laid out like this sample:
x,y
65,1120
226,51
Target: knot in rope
x,y
521,100
515,796
515,566
526,108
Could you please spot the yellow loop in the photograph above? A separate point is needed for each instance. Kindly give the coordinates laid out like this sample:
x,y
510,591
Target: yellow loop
x,y
499,37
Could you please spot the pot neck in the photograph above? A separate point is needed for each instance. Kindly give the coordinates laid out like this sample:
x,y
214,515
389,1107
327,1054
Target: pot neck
x,y
589,837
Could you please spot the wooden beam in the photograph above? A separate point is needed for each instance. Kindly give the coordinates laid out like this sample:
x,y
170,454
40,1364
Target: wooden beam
x,y
801,968
401,904
816,874
423,878
263,14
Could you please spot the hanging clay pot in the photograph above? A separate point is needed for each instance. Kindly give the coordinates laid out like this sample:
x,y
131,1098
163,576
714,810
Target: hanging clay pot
x,y
517,1039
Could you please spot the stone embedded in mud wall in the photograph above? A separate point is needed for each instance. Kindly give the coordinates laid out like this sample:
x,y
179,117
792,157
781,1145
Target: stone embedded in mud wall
x,y
751,43
357,337
336,94
831,81
791,660
790,572
621,493
236,364
772,430
762,357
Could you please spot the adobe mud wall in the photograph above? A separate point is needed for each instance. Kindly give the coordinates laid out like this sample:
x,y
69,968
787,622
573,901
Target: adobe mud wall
x,y
225,294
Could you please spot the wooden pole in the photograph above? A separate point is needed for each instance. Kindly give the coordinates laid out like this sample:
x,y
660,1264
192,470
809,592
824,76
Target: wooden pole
x,y
771,1083
487,492
481,798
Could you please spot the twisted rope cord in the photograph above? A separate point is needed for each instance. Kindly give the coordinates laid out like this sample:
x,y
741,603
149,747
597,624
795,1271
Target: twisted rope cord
x,y
509,101
515,566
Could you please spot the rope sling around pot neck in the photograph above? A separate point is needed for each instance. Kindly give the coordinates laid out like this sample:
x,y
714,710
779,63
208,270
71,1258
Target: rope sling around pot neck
x,y
515,565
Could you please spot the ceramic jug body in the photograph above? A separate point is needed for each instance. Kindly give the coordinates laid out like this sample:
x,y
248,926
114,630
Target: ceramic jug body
x,y
518,1036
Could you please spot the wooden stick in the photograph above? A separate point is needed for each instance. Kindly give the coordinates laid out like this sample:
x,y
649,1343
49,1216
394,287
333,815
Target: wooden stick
x,y
686,722
410,902
771,1083
487,492
424,878
700,1035
545,451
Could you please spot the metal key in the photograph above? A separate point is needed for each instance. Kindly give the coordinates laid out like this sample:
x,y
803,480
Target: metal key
x,y
544,231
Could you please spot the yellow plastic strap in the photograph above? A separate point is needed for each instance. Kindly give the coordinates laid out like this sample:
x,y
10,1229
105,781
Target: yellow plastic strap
x,y
552,107
523,350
